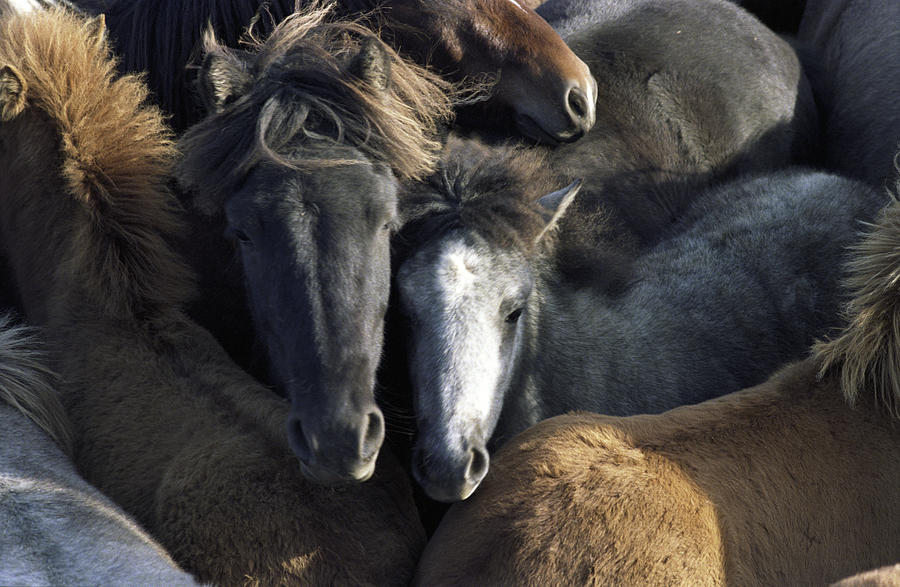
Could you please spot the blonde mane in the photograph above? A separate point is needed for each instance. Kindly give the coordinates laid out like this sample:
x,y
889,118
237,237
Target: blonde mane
x,y
116,156
867,353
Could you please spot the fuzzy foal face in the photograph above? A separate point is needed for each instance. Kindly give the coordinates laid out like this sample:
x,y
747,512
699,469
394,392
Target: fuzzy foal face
x,y
468,292
465,300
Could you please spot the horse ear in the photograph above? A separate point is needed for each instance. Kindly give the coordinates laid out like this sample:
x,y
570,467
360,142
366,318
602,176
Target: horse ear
x,y
373,64
96,30
223,75
12,93
553,205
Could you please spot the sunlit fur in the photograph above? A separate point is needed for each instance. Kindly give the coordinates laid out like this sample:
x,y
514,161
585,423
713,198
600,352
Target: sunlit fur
x,y
887,576
165,424
104,128
778,484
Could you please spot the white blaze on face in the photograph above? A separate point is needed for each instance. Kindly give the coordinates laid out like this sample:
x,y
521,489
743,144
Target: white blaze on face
x,y
468,323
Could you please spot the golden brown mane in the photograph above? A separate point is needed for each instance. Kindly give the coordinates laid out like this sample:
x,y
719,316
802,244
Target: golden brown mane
x,y
116,154
867,353
402,126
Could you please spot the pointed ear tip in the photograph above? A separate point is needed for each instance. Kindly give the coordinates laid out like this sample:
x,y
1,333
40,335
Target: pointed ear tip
x,y
13,78
97,25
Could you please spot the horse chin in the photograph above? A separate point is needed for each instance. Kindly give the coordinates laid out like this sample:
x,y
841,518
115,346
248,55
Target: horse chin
x,y
529,127
327,477
447,493
448,486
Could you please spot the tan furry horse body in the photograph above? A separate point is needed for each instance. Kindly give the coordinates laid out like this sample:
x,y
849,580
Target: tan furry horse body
x,y
780,484
165,423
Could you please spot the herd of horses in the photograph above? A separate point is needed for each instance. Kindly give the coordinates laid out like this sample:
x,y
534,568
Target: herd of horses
x,y
281,280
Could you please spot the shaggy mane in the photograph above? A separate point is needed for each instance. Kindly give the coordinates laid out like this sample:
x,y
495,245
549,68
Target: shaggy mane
x,y
116,154
26,383
300,85
493,190
867,354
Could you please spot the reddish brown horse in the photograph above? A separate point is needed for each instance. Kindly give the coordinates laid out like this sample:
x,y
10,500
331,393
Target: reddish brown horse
x,y
549,90
165,424
783,483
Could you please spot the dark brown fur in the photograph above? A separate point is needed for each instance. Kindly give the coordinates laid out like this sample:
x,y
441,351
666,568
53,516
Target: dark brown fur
x,y
165,424
780,484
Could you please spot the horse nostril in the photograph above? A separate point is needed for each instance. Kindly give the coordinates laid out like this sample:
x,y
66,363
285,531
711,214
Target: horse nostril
x,y
478,465
578,103
373,435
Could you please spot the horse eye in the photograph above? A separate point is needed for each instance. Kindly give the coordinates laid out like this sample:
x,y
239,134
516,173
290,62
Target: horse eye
x,y
239,235
514,316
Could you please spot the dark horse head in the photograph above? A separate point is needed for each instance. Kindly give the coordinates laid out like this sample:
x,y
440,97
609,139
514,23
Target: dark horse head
x,y
300,152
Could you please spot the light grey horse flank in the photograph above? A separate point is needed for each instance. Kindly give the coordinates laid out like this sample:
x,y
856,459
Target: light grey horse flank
x,y
503,336
55,528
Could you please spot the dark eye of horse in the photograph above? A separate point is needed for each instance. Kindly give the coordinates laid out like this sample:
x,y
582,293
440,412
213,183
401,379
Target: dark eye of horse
x,y
239,235
514,316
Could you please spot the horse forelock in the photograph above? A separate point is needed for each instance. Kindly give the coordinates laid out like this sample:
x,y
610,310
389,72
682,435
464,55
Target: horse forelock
x,y
866,355
26,382
300,73
492,191
116,155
